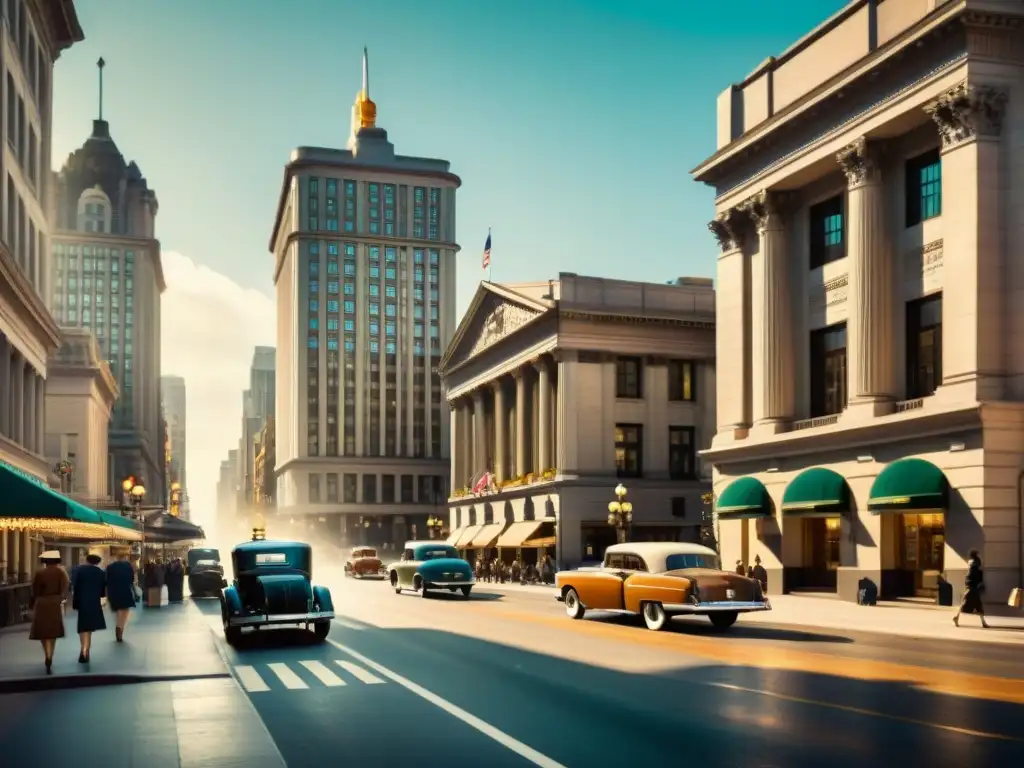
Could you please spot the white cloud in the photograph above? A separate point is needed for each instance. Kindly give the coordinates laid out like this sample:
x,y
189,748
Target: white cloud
x,y
210,325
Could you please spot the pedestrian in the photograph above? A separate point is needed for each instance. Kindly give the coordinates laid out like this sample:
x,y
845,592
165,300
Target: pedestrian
x,y
740,569
121,592
154,578
90,587
175,581
49,591
758,572
974,585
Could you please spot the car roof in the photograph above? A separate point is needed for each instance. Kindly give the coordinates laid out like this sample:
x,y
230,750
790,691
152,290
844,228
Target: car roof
x,y
658,551
426,543
269,546
363,547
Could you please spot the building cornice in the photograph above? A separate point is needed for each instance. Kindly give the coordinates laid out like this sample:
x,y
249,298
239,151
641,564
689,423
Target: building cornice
x,y
293,166
621,319
61,29
379,463
104,379
22,295
150,244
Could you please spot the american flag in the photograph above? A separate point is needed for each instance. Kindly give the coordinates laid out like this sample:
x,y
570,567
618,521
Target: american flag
x,y
487,251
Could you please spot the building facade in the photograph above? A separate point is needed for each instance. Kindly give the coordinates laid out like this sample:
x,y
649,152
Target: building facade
x,y
560,391
80,396
870,420
108,278
364,247
173,397
257,408
265,485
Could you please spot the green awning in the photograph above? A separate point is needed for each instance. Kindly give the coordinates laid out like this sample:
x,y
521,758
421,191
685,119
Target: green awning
x,y
25,496
816,492
119,521
909,485
744,498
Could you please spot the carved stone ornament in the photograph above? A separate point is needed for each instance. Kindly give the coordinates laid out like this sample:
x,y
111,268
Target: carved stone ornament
x,y
503,320
729,228
860,161
968,111
766,209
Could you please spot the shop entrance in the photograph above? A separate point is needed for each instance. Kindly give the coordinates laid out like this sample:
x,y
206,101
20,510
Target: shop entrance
x,y
821,553
921,553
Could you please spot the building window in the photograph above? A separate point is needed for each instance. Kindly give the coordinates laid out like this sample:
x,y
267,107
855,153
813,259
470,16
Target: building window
x,y
349,489
628,377
387,486
369,489
828,370
629,450
332,487
682,464
924,346
314,489
407,489
680,380
827,243
924,187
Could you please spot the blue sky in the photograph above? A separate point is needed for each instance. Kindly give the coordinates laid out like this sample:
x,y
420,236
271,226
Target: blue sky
x,y
573,124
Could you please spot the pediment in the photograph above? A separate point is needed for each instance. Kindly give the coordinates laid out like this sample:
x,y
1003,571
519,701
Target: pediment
x,y
492,317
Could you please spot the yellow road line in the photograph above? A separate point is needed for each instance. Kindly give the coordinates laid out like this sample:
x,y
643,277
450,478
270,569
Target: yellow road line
x,y
870,713
947,682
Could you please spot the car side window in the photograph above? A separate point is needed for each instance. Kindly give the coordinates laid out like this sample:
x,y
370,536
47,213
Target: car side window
x,y
407,555
615,560
635,563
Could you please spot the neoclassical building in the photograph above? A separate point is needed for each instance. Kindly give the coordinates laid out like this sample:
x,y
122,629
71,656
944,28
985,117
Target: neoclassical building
x,y
870,419
563,389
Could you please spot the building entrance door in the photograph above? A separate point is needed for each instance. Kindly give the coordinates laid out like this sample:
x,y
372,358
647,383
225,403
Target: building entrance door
x,y
922,551
821,553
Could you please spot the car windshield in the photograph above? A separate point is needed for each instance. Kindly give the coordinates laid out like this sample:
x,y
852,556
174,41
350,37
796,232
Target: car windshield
x,y
365,553
203,555
436,553
679,562
207,562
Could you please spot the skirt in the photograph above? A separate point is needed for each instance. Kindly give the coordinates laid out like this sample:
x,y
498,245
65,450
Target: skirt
x,y
971,602
47,619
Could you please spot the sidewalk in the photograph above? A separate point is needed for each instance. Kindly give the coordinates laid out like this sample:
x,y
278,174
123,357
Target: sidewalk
x,y
890,618
160,644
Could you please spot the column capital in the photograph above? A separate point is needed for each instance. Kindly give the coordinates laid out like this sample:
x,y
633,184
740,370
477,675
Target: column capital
x,y
768,208
861,162
564,355
967,112
498,384
477,395
541,364
730,228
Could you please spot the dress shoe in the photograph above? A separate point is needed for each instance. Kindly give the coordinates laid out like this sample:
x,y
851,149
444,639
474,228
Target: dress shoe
x,y
82,658
119,633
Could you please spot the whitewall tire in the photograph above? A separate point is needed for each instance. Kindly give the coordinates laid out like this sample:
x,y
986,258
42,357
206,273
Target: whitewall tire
x,y
655,617
573,607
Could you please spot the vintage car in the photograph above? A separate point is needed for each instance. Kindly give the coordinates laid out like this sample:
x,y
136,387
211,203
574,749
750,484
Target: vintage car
x,y
205,573
363,563
272,587
659,580
431,565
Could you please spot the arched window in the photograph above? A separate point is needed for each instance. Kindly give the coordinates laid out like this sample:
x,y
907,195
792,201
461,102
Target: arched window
x,y
94,211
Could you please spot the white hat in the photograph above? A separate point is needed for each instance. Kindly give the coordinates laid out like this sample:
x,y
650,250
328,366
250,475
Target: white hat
x,y
50,554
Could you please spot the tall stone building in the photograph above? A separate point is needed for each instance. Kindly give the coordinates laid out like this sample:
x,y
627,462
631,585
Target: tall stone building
x,y
108,278
364,268
173,396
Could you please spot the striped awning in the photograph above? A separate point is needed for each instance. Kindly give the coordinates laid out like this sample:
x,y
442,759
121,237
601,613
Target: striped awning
x,y
468,534
486,536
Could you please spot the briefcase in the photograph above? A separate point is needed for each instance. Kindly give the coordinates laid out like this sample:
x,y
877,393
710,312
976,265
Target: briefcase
x,y
1016,597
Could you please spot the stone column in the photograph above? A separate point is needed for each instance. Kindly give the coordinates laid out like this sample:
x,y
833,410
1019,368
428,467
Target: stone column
x,y
522,423
980,273
466,438
15,561
479,436
456,446
566,452
869,331
40,415
29,426
17,379
543,415
3,556
500,431
733,337
5,386
27,561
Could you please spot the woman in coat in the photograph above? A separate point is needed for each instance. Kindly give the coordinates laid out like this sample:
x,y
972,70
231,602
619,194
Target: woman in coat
x,y
88,590
49,590
975,585
121,592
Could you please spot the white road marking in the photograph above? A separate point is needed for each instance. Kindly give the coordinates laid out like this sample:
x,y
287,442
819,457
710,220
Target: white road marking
x,y
510,743
323,674
348,624
358,672
251,679
291,681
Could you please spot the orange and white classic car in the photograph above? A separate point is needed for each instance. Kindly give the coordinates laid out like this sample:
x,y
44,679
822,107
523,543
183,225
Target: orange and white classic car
x,y
363,563
659,580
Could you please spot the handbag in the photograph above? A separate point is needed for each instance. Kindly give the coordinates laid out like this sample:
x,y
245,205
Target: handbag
x,y
1016,597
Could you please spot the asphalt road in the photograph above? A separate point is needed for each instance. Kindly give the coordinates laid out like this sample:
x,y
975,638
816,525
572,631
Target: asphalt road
x,y
506,679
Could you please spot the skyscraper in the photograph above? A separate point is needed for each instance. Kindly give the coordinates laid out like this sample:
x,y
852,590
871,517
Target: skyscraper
x,y
172,393
108,278
364,248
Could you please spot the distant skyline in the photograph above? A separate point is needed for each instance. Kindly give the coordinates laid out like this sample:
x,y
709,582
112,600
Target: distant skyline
x,y
572,124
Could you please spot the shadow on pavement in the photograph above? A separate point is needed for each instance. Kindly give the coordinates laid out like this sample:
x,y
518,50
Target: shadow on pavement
x,y
739,631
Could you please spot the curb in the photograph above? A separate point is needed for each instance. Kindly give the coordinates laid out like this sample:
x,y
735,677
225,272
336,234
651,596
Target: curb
x,y
65,682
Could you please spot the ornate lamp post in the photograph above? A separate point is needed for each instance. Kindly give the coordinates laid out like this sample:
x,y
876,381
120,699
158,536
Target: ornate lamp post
x,y
131,499
709,525
434,525
620,514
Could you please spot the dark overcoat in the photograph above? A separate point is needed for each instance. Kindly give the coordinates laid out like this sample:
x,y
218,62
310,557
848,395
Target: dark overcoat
x,y
88,591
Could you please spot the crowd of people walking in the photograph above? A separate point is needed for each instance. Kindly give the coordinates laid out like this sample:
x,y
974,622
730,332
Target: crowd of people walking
x,y
88,585
498,571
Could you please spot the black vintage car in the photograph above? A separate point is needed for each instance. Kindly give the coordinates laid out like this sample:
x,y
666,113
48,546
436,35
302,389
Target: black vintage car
x,y
205,573
272,587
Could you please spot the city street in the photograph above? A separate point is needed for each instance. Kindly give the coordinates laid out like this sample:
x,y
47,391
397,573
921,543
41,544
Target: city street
x,y
506,679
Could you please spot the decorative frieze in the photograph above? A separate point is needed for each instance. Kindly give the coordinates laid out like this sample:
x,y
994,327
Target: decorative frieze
x,y
922,270
968,112
836,290
504,319
861,162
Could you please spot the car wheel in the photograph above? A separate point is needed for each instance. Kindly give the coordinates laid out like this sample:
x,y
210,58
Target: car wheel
x,y
394,583
573,607
232,634
724,619
466,591
320,629
420,586
654,616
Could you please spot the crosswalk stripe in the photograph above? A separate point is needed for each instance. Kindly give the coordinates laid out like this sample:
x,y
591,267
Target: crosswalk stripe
x,y
348,624
285,675
358,672
251,679
323,674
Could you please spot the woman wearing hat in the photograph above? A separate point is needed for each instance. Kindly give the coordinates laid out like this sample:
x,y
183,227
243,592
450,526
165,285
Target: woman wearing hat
x,y
90,587
49,590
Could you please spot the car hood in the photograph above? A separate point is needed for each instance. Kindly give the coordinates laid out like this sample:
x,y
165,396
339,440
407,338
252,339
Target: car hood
x,y
366,562
713,585
446,565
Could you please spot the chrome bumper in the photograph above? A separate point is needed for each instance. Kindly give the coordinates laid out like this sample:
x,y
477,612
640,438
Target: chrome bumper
x,y
281,618
432,584
718,607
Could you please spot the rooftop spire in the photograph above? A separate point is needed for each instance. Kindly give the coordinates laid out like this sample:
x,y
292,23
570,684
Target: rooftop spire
x,y
101,64
366,74
364,111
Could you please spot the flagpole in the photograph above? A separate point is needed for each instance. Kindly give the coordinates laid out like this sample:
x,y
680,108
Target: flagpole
x,y
490,261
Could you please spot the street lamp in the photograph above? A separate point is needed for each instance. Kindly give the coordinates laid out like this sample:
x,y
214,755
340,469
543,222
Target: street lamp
x,y
259,528
134,493
434,525
620,514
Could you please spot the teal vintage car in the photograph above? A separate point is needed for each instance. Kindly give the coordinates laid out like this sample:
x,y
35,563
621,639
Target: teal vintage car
x,y
431,565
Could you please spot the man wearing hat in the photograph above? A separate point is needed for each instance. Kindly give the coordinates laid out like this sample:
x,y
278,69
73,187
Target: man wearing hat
x,y
49,590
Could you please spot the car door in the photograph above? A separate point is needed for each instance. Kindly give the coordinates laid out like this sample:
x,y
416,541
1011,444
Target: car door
x,y
407,568
602,589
